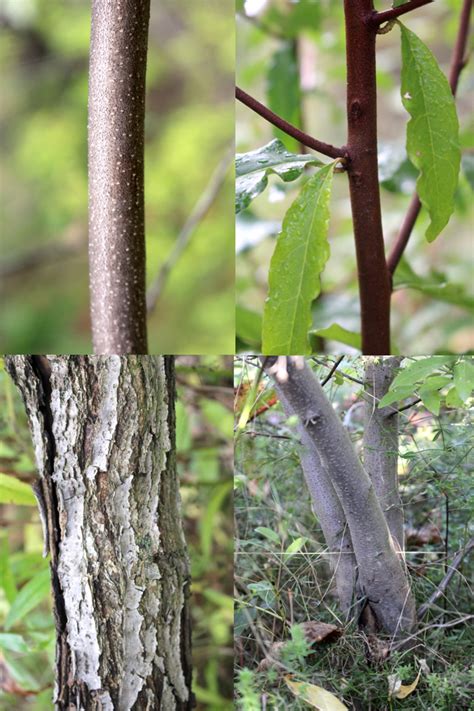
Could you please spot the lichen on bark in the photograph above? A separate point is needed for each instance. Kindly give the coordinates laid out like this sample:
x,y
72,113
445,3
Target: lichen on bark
x,y
103,428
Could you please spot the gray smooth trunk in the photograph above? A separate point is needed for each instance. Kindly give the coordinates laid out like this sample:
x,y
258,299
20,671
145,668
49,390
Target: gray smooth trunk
x,y
381,442
382,578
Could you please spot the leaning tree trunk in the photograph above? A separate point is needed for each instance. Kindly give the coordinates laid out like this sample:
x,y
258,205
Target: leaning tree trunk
x,y
103,434
382,579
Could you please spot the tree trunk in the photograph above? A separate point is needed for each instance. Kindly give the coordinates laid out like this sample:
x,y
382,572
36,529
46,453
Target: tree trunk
x,y
103,435
381,442
118,52
373,276
328,510
382,578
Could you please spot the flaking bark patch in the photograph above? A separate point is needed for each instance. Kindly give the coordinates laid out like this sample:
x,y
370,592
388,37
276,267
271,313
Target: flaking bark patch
x,y
119,554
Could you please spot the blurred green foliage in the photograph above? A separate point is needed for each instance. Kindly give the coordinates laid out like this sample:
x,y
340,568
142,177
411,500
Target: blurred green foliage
x,y
282,575
204,456
43,169
434,286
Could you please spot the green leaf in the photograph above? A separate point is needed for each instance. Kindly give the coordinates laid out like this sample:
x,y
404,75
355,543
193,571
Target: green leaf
x,y
334,332
431,400
14,491
283,92
7,579
435,382
432,132
418,370
395,395
248,325
31,595
453,399
296,545
20,672
300,255
268,533
252,170
13,642
464,378
435,285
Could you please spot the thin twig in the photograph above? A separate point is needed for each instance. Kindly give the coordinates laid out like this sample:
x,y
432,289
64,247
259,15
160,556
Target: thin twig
x,y
440,590
332,371
378,18
325,148
199,212
458,62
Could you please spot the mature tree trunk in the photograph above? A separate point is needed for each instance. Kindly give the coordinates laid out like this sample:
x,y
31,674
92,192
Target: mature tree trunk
x,y
328,510
381,442
103,434
119,41
382,579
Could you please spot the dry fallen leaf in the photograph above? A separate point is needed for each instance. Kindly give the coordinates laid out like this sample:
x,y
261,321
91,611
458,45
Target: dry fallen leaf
x,y
398,690
320,631
315,696
406,690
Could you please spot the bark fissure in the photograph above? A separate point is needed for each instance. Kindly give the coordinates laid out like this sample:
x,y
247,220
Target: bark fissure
x,y
120,559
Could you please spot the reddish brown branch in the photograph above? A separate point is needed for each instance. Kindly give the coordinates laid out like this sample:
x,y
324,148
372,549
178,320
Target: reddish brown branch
x,y
378,18
458,62
373,275
325,148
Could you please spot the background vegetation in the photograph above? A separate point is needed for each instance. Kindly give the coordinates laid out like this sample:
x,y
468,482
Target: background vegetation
x,y
43,169
433,284
205,455
282,576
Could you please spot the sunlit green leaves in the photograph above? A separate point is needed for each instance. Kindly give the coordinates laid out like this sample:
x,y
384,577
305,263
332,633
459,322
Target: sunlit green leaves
x,y
283,91
252,170
14,491
432,132
435,380
301,253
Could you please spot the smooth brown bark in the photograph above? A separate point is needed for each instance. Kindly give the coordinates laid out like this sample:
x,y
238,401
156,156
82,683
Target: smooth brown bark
x,y
103,435
373,275
118,52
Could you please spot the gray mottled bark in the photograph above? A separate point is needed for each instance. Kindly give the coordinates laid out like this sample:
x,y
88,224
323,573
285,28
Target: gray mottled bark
x,y
118,51
381,442
103,434
381,575
328,510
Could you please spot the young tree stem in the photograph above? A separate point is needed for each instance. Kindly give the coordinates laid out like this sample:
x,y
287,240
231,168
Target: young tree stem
x,y
119,39
373,275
